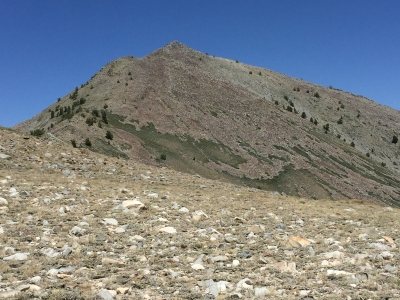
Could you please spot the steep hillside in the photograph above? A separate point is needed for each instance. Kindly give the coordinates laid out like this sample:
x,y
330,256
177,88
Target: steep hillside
x,y
226,120
78,225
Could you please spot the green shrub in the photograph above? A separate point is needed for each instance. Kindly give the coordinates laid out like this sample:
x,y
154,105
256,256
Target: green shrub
x,y
250,72
52,114
88,142
303,115
163,157
340,121
276,102
395,139
73,142
95,113
316,95
37,132
289,108
109,135
104,116
286,98
90,121
352,144
368,155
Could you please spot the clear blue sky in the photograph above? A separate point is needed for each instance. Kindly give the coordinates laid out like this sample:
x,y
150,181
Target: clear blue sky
x,y
48,47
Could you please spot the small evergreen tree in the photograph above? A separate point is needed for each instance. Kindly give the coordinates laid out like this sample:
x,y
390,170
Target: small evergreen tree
x,y
109,135
104,116
88,142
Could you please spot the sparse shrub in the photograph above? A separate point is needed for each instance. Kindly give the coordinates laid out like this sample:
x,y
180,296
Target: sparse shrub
x,y
311,120
342,106
74,95
129,73
276,102
352,144
368,155
303,115
395,139
52,114
88,142
340,121
104,116
291,103
338,136
259,73
326,128
51,125
315,122
289,108
99,124
109,135
90,121
250,72
73,142
286,98
383,164
117,81
105,106
163,156
37,132
236,61
91,87
59,99
126,84
307,91
82,101
95,113
316,95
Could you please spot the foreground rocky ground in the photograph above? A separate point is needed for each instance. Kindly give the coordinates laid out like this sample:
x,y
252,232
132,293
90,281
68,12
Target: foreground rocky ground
x,y
78,225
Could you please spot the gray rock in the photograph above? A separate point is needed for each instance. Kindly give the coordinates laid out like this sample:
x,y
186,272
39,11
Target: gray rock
x,y
67,251
77,231
105,295
244,254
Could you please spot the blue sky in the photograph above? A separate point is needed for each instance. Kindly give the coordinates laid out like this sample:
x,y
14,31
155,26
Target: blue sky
x,y
49,47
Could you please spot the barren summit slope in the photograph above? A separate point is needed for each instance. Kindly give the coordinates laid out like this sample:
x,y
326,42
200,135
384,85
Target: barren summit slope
x,y
226,120
75,224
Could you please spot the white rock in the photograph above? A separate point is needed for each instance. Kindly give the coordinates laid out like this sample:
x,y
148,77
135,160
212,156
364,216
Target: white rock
x,y
4,155
197,267
35,279
152,195
235,263
244,284
171,230
110,221
261,292
133,204
17,256
333,254
183,210
338,273
50,252
77,231
3,201
120,229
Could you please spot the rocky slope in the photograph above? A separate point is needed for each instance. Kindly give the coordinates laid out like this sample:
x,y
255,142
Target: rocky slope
x,y
226,120
79,225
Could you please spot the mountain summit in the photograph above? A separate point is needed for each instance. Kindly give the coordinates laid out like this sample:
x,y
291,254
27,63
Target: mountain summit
x,y
222,119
